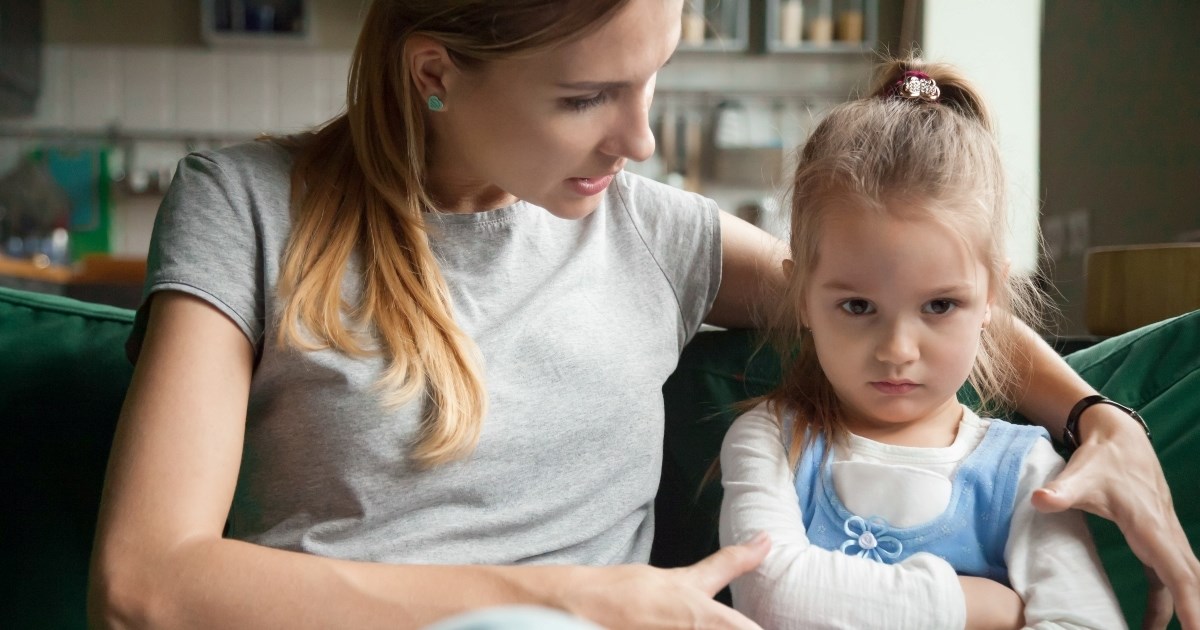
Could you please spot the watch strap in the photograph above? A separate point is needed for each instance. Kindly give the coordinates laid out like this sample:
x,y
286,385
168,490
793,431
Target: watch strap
x,y
1070,437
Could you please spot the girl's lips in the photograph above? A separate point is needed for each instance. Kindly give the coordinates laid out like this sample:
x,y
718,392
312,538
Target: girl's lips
x,y
893,389
588,186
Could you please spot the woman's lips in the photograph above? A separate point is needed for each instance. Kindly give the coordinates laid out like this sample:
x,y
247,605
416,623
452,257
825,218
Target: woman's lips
x,y
894,388
588,186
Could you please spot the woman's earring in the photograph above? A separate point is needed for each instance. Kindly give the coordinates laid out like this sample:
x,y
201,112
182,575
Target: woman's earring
x,y
435,103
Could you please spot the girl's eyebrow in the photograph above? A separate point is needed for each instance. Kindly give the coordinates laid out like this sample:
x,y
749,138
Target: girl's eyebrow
x,y
838,285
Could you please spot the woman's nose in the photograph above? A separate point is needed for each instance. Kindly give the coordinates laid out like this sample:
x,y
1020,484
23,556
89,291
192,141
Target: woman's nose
x,y
630,136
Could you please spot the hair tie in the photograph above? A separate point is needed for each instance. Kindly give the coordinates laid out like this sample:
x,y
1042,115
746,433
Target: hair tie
x,y
916,85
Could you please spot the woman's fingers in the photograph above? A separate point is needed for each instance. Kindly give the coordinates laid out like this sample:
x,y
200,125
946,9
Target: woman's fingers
x,y
1159,606
1116,475
715,572
639,596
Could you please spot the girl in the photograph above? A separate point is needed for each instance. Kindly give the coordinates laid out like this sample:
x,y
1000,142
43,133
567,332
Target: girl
x,y
898,292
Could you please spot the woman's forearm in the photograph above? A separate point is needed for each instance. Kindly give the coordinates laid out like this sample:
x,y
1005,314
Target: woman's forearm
x,y
1051,387
221,583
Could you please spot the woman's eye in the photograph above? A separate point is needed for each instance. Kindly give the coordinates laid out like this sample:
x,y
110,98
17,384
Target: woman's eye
x,y
585,102
858,307
939,307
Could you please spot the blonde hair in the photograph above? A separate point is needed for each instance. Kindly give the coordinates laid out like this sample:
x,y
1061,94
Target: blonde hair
x,y
872,152
359,187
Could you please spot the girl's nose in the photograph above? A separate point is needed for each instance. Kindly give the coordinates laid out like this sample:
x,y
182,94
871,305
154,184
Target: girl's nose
x,y
897,345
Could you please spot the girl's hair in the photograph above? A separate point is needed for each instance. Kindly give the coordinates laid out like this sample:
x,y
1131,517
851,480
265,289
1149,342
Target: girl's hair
x,y
874,152
359,190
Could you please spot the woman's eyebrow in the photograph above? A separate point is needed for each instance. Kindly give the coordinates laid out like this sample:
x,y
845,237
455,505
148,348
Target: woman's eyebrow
x,y
602,85
593,85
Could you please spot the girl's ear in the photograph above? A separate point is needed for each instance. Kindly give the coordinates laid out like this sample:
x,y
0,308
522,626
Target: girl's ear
x,y
429,64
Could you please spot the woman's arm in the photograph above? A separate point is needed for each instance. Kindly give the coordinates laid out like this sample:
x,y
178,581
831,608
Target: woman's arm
x,y
1052,562
1114,474
160,560
751,274
800,585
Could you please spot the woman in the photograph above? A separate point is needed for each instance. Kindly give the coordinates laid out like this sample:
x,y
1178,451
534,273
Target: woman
x,y
424,345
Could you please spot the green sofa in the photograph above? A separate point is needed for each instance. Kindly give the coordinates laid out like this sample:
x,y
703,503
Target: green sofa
x,y
63,375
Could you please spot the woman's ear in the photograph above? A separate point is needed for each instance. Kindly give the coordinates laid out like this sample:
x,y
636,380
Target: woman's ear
x,y
429,64
788,267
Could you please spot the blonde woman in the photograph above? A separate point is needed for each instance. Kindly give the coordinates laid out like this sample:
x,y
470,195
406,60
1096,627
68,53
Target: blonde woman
x,y
414,357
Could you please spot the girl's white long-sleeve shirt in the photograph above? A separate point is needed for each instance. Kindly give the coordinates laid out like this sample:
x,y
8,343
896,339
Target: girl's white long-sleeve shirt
x,y
1052,562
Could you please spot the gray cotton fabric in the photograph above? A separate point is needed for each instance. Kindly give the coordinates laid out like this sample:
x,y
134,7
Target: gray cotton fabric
x,y
579,324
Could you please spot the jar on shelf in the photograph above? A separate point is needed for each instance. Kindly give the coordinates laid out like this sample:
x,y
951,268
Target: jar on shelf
x,y
694,23
791,22
820,22
849,21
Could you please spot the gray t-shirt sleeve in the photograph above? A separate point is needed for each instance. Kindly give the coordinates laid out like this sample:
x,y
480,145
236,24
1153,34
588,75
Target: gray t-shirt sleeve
x,y
207,242
682,231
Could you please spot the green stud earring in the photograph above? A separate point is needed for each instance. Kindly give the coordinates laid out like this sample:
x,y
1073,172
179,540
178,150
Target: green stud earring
x,y
435,103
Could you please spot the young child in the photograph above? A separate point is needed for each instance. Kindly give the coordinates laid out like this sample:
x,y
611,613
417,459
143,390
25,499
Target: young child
x,y
899,292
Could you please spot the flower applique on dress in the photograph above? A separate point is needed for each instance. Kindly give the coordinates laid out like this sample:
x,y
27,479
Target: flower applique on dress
x,y
868,539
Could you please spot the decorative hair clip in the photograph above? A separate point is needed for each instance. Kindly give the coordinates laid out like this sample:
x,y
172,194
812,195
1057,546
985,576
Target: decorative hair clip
x,y
917,85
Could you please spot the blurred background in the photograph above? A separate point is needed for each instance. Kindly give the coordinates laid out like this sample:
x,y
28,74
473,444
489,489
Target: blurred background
x,y
1096,105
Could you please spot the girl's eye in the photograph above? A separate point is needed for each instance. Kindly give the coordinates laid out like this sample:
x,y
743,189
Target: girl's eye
x,y
939,307
585,102
858,307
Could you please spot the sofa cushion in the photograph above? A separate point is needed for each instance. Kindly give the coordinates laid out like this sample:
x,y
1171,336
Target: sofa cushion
x,y
63,375
1156,370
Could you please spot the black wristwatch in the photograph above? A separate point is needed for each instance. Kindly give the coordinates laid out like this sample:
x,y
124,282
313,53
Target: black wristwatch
x,y
1070,436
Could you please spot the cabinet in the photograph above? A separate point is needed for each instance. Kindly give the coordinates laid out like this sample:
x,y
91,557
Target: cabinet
x,y
256,22
716,26
821,25
780,26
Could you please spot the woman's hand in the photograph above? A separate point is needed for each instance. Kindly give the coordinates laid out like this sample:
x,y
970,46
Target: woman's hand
x,y
640,596
1116,475
991,605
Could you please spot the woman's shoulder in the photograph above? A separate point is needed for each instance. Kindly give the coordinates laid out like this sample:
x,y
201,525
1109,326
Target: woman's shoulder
x,y
250,181
260,160
643,196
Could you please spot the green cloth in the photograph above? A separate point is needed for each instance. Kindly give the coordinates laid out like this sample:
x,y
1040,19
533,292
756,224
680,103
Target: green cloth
x,y
63,375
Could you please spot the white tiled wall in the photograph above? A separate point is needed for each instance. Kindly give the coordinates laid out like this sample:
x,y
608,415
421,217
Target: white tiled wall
x,y
155,94
186,90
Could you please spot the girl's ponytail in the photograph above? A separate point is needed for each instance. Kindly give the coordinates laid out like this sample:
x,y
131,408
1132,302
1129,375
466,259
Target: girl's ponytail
x,y
954,90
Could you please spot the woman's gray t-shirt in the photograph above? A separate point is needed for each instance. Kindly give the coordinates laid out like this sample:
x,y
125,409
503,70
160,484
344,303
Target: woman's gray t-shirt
x,y
579,323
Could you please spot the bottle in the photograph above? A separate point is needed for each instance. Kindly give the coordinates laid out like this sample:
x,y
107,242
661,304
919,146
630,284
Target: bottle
x,y
694,23
791,20
850,21
820,27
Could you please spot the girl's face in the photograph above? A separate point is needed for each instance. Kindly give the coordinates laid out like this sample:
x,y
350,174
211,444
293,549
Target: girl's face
x,y
552,129
896,308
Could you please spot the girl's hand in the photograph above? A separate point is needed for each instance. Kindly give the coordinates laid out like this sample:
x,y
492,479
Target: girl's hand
x,y
991,605
640,596
1115,474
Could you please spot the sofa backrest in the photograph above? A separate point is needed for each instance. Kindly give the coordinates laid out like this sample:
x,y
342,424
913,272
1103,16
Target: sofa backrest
x,y
63,376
